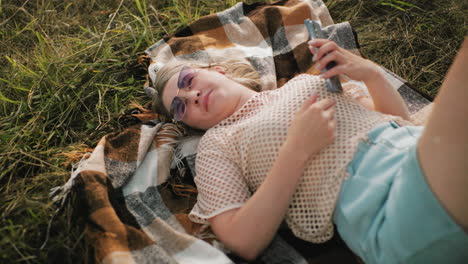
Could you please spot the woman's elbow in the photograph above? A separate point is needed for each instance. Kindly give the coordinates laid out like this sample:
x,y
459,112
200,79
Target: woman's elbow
x,y
248,245
246,251
403,113
241,244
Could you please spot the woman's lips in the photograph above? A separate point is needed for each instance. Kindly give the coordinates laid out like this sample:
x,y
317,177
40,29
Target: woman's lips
x,y
206,100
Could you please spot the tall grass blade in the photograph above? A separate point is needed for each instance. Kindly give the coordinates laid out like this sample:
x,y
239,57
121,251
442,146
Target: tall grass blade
x,y
398,4
3,98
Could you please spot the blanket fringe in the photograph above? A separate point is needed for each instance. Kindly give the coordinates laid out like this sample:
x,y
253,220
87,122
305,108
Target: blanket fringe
x,y
59,194
186,146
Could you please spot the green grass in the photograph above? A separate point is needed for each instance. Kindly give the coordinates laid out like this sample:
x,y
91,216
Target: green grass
x,y
69,72
418,43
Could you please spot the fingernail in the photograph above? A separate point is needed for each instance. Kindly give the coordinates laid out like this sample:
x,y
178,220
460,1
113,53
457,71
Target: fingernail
x,y
322,76
314,57
310,42
317,66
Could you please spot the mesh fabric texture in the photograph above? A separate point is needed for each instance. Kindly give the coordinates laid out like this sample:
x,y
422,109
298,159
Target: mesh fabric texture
x,y
236,155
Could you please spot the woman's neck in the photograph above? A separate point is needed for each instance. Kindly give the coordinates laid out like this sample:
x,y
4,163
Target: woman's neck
x,y
246,94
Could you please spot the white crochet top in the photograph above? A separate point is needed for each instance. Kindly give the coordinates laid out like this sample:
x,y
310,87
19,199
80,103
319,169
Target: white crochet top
x,y
236,155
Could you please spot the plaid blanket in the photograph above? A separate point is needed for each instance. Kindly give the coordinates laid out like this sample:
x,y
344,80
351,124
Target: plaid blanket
x,y
136,206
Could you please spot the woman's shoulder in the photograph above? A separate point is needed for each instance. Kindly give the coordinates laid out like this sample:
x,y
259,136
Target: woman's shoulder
x,y
214,140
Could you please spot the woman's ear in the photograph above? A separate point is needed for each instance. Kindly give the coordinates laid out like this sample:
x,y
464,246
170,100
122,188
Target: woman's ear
x,y
220,69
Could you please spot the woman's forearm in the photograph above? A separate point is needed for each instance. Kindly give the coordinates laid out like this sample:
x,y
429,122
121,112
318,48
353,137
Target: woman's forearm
x,y
248,230
385,98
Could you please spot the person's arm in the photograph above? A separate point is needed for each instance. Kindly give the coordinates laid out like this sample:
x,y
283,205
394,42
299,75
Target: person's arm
x,y
385,98
356,92
249,229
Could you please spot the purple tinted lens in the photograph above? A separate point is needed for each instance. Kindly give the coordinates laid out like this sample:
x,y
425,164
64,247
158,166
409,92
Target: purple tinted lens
x,y
178,108
185,77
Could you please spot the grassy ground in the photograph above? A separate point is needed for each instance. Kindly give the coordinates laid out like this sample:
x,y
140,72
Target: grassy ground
x,y
69,72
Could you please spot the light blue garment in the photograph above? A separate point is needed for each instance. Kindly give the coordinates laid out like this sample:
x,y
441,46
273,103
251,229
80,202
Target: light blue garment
x,y
387,213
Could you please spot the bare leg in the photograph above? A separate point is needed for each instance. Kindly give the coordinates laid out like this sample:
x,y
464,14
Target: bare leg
x,y
443,147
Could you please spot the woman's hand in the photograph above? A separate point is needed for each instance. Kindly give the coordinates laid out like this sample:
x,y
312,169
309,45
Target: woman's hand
x,y
353,66
385,98
312,128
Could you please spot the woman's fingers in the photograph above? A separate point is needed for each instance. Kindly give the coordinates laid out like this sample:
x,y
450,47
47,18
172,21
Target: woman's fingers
x,y
335,56
332,127
315,119
324,46
309,102
347,63
324,104
339,69
317,42
325,49
321,105
329,114
323,109
328,51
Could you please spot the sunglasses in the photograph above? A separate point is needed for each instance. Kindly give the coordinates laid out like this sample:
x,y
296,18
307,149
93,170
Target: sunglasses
x,y
178,104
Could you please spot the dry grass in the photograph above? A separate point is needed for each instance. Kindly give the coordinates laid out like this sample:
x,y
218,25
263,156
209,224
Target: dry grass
x,y
418,43
70,70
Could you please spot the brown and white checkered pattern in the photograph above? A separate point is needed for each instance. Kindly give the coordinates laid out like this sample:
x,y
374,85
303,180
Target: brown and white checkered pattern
x,y
130,215
272,37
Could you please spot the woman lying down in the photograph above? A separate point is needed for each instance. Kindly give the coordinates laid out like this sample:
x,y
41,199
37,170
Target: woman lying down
x,y
396,192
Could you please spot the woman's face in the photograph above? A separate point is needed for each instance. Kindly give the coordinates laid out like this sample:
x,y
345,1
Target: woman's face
x,y
209,96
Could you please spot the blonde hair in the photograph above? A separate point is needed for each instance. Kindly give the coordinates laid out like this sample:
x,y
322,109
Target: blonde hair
x,y
239,71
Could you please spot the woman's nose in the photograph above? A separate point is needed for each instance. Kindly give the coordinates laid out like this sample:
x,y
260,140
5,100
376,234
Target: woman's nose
x,y
192,96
